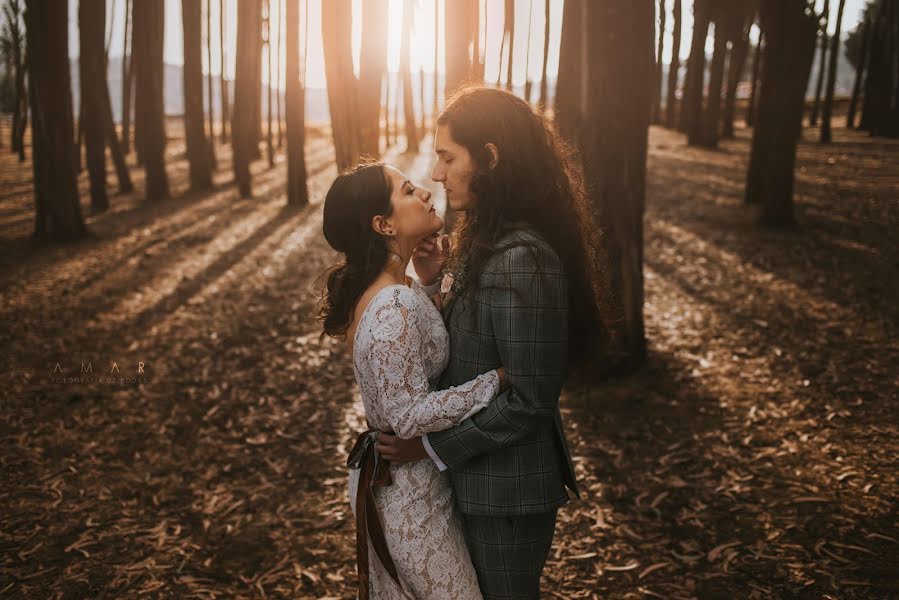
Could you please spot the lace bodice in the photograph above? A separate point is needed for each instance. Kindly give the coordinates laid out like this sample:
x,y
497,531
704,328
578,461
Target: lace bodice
x,y
400,349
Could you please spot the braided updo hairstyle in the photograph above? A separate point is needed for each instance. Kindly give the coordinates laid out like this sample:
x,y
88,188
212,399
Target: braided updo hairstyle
x,y
355,198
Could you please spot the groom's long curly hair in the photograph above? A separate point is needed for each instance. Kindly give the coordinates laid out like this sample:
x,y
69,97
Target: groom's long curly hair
x,y
537,185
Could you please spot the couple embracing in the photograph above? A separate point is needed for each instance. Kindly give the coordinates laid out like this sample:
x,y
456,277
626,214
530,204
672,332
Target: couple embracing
x,y
457,485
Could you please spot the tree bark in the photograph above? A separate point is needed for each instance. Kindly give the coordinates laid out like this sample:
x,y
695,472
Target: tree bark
x,y
859,74
621,78
756,70
211,110
57,207
880,110
673,67
243,129
711,117
223,82
412,136
790,36
13,15
457,35
270,147
736,62
571,82
342,84
297,191
91,65
657,98
816,107
278,76
510,31
436,110
372,67
127,79
827,112
198,155
149,30
543,83
691,113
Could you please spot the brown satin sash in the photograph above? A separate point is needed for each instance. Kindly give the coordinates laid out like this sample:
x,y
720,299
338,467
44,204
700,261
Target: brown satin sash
x,y
373,471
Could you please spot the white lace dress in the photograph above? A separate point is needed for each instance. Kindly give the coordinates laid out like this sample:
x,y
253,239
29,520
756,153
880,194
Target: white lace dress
x,y
400,349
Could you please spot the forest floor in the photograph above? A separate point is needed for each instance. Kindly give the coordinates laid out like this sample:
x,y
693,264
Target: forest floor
x,y
754,456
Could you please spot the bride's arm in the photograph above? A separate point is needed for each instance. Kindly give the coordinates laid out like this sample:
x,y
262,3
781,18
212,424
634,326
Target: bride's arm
x,y
402,383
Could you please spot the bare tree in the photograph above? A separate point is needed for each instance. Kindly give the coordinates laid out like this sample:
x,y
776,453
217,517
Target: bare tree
x,y
816,107
148,39
723,17
735,64
267,33
673,66
827,114
790,35
342,85
92,68
243,131
528,84
198,154
412,135
15,42
570,82
57,208
209,79
509,30
880,109
657,98
691,104
436,56
457,33
621,74
297,191
758,56
543,82
372,67
127,79
223,83
859,72
278,75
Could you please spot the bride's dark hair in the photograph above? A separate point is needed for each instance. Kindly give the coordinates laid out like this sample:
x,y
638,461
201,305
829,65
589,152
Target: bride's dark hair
x,y
355,198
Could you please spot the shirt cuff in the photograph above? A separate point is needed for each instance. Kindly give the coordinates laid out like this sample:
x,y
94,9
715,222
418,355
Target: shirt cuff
x,y
440,464
429,290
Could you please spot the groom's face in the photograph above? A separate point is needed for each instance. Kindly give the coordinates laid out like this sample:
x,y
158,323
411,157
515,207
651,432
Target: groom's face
x,y
454,169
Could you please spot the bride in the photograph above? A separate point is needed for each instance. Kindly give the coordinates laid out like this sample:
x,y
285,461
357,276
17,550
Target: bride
x,y
409,539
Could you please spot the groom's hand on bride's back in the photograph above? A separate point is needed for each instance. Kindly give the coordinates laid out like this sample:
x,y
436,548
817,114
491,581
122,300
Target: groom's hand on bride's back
x,y
399,451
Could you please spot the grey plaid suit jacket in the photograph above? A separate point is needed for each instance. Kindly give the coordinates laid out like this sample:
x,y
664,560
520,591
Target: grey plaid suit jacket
x,y
511,458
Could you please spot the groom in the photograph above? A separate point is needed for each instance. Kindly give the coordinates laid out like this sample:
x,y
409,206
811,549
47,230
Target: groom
x,y
509,464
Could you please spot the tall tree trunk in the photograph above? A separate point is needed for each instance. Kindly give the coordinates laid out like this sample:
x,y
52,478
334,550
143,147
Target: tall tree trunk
x,y
673,67
859,74
342,85
198,154
127,79
91,65
457,34
476,72
256,110
118,157
297,191
223,83
372,66
622,75
136,36
510,31
543,83
271,82
827,113
209,80
816,107
756,70
528,84
657,98
708,135
412,136
243,130
278,76
436,110
57,207
790,36
738,52
149,21
691,105
421,100
571,79
13,13
880,110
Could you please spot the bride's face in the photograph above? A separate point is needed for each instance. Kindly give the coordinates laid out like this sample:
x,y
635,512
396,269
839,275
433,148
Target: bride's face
x,y
412,217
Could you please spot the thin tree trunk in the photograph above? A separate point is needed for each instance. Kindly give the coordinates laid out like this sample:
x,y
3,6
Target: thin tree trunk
x,y
297,191
510,30
528,84
880,112
372,66
436,76
223,83
571,82
127,80
622,74
691,113
256,111
243,129
756,70
278,77
271,82
457,33
735,64
412,136
673,67
543,83
827,113
133,69
149,20
342,84
209,80
859,74
657,98
708,136
790,36
57,208
13,14
198,153
118,157
816,107
91,63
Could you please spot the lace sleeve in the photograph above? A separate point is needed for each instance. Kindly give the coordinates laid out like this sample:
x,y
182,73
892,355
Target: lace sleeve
x,y
396,362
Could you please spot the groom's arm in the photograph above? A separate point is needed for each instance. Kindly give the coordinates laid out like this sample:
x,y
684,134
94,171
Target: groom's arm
x,y
528,305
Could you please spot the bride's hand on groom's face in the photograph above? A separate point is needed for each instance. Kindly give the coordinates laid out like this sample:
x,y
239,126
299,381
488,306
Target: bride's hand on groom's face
x,y
398,450
428,257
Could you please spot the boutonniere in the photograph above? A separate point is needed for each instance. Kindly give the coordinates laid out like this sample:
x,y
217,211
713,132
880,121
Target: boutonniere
x,y
446,284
